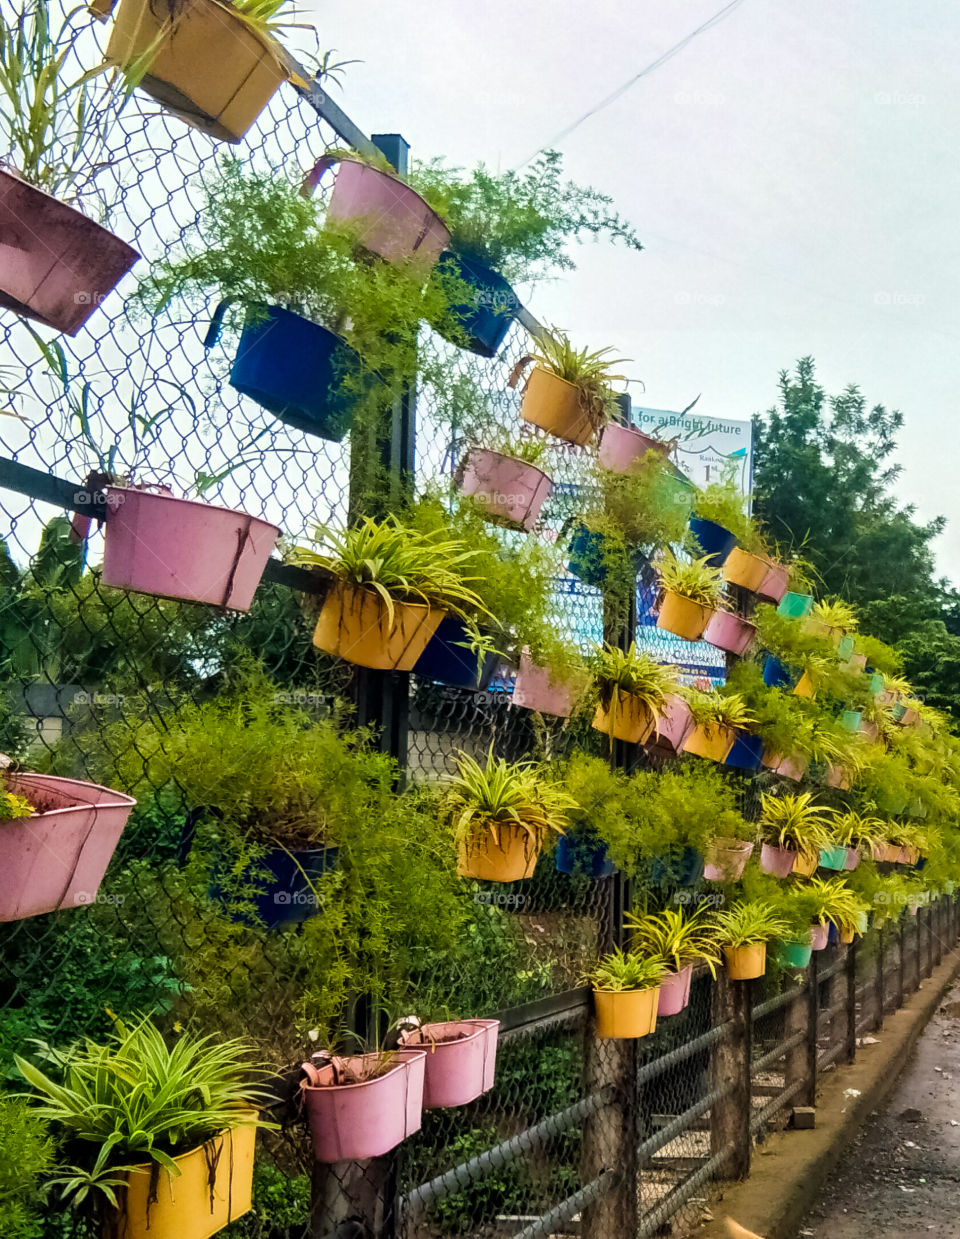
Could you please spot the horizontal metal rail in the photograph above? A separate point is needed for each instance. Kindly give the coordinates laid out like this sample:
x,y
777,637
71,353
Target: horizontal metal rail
x,y
678,1125
571,1004
651,1222
778,1051
651,1070
587,1195
778,1001
830,1055
762,1117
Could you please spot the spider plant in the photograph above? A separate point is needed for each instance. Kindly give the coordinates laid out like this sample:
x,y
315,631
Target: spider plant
x,y
635,673
677,939
796,822
133,1099
626,971
715,709
483,799
747,922
836,614
398,564
859,830
832,900
693,579
590,372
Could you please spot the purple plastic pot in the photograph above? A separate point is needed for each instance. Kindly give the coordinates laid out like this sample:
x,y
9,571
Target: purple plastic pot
x,y
819,936
729,632
726,860
622,447
387,217
535,690
674,725
57,858
778,861
349,1122
177,548
853,858
456,1071
512,490
56,265
675,992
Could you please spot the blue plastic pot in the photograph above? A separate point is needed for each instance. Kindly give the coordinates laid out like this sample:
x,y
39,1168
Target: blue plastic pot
x,y
775,673
682,866
446,658
746,753
586,558
715,541
575,854
286,880
293,368
485,319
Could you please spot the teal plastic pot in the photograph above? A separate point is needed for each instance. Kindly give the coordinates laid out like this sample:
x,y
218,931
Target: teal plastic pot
x,y
876,683
795,606
851,719
795,954
845,648
833,858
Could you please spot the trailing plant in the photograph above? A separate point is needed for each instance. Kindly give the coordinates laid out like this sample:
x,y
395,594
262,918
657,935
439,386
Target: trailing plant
x,y
626,971
13,806
719,709
748,922
677,939
694,579
481,800
796,822
723,503
26,1158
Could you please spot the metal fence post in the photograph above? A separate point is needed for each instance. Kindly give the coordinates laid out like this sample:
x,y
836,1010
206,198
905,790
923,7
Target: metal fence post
x,y
813,1030
917,927
730,1059
850,973
881,994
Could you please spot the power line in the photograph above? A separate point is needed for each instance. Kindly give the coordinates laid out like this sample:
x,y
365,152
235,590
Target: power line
x,y
622,90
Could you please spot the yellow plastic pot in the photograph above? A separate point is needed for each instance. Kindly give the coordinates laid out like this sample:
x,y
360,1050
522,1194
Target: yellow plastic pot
x,y
354,625
633,721
806,866
805,686
512,858
713,743
626,1013
185,1206
556,406
745,570
746,963
846,936
209,66
683,617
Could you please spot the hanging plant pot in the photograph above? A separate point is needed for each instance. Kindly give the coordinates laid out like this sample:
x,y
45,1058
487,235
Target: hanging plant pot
x,y
674,725
746,963
876,684
852,858
819,937
683,617
837,777
207,65
730,632
805,687
778,861
57,857
716,543
675,992
846,936
180,548
354,624
447,658
556,406
909,855
850,720
512,858
806,864
484,320
56,265
293,368
588,562
887,853
787,767
578,855
795,606
677,866
845,651
795,954
213,1189
633,720
745,570
461,1060
535,689
869,729
906,716
775,673
626,1014
623,448
350,1122
512,491
386,216
726,859
833,858
287,881
712,742
745,752
773,587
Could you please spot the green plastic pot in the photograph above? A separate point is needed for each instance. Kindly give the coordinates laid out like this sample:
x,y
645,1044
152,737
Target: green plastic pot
x,y
845,648
851,719
833,858
795,954
795,606
876,683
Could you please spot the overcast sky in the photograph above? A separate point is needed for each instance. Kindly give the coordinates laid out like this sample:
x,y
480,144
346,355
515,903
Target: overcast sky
x,y
793,174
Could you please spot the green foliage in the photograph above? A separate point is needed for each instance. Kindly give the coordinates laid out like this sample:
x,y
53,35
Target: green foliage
x,y
635,672
749,921
13,806
723,503
281,1205
621,971
694,579
718,709
480,800
592,373
677,939
26,1157
796,821
785,722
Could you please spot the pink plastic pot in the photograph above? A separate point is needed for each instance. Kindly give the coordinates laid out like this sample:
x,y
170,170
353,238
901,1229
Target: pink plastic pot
x,y
458,1071
349,1122
675,992
56,265
853,858
57,858
177,548
778,861
786,767
535,690
773,587
729,632
674,725
819,936
386,216
511,489
726,860
622,447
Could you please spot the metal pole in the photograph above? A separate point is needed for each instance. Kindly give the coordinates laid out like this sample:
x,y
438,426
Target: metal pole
x,y
813,1026
881,997
850,971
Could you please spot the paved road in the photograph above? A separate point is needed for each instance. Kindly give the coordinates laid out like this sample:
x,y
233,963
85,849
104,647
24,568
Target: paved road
x,y
901,1177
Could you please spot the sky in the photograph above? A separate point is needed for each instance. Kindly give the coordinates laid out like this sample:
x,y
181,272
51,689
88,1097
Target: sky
x,y
792,173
